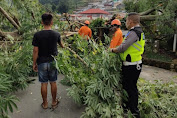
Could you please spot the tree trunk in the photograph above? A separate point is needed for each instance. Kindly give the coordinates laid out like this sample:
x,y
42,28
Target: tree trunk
x,y
147,12
9,18
149,17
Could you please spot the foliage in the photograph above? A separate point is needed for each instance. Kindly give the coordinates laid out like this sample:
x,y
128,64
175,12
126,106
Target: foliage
x,y
162,56
94,25
164,27
97,23
142,5
96,85
16,66
26,12
63,6
158,99
16,58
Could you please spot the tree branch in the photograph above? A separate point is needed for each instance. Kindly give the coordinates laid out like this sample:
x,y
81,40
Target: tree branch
x,y
77,56
147,12
148,17
2,34
9,18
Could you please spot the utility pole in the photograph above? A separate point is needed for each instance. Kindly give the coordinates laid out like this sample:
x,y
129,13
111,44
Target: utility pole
x,y
175,38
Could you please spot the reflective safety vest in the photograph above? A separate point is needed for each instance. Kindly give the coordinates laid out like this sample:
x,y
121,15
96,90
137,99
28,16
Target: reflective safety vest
x,y
135,51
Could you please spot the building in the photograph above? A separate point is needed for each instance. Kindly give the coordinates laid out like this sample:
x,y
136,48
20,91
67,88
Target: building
x,y
108,5
94,14
120,6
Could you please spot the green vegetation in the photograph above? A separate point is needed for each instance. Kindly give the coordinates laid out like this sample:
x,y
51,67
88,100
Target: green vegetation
x,y
98,85
64,6
14,73
156,56
97,23
16,57
157,100
164,25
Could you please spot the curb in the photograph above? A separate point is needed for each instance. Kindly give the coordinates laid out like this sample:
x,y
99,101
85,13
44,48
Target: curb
x,y
161,64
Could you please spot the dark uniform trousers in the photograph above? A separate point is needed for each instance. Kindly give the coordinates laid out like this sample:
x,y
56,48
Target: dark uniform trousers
x,y
129,81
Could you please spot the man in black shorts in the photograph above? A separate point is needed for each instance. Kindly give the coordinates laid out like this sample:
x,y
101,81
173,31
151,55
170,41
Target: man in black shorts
x,y
45,47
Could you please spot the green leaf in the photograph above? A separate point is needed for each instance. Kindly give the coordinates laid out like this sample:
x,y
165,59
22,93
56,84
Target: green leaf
x,y
10,106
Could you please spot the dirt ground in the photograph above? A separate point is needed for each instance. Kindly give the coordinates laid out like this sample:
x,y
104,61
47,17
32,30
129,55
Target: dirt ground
x,y
30,99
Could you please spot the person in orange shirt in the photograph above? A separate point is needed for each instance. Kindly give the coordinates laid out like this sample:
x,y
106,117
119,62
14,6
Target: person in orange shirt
x,y
117,36
85,31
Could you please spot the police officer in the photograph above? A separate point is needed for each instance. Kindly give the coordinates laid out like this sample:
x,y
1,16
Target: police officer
x,y
131,51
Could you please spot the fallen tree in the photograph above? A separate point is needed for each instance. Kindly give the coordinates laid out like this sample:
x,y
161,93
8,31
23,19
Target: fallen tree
x,y
3,12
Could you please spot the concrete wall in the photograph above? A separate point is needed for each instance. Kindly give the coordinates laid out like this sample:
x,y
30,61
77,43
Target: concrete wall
x,y
94,16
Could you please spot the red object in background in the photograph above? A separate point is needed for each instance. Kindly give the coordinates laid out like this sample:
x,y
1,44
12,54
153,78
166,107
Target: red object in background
x,y
90,17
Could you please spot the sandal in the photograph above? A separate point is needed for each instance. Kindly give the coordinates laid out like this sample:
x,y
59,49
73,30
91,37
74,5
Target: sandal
x,y
57,102
42,105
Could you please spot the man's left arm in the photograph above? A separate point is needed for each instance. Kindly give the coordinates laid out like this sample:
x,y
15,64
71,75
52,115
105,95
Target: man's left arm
x,y
60,41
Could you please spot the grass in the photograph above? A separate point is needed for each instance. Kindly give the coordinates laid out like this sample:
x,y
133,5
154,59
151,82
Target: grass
x,y
158,56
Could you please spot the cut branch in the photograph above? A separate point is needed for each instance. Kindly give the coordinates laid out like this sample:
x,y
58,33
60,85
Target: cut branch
x,y
77,56
9,18
14,34
17,21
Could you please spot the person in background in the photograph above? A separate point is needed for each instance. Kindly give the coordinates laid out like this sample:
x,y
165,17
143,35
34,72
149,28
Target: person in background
x,y
85,31
117,36
45,47
131,51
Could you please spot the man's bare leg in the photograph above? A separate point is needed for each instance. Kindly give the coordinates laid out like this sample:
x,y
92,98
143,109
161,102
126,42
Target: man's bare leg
x,y
44,94
54,92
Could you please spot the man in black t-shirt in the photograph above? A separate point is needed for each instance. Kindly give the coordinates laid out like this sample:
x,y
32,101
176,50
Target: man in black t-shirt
x,y
45,47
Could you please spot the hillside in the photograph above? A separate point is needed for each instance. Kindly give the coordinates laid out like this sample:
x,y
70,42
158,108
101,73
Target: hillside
x,y
63,6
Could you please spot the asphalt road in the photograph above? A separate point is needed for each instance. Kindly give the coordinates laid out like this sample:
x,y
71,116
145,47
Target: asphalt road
x,y
30,99
30,103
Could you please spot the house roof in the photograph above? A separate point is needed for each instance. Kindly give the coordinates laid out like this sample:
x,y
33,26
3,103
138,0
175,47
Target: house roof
x,y
94,11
